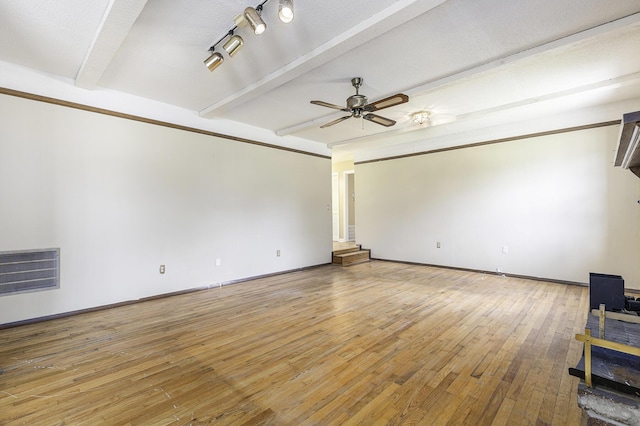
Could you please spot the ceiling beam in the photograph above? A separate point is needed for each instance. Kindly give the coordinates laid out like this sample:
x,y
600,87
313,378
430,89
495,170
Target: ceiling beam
x,y
632,79
393,16
116,24
478,70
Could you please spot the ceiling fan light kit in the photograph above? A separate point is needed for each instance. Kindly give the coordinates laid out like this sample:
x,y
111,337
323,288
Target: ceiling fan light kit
x,y
251,16
358,104
421,117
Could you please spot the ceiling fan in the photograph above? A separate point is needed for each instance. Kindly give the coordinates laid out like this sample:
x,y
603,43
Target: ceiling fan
x,y
358,106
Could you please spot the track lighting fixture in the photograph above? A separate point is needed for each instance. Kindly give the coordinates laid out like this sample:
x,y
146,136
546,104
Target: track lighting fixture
x,y
252,17
255,20
213,61
285,10
234,44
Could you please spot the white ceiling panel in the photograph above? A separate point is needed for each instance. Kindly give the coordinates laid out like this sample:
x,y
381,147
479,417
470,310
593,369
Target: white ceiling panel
x,y
50,36
477,66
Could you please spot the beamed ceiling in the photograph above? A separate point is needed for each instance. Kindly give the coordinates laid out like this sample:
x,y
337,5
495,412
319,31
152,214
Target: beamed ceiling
x,y
484,69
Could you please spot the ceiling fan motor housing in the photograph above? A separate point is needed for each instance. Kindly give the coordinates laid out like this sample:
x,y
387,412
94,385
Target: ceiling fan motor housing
x,y
356,103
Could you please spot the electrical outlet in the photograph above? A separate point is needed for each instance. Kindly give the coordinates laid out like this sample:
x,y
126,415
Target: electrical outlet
x,y
218,262
438,244
278,253
162,269
505,249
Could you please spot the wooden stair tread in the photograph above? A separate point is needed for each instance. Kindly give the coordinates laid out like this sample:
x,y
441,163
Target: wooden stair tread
x,y
353,253
351,256
347,250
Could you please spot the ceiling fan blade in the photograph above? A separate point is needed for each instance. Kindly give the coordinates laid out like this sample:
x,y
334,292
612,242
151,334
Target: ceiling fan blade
x,y
379,120
328,105
394,100
331,123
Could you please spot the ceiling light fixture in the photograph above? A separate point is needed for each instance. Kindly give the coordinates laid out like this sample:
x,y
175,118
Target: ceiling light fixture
x,y
421,117
252,17
255,20
234,44
285,10
213,61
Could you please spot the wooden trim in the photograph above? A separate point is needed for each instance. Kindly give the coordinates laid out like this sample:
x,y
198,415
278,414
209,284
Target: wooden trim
x,y
273,274
632,291
495,141
480,271
617,316
589,341
587,357
147,299
82,107
96,308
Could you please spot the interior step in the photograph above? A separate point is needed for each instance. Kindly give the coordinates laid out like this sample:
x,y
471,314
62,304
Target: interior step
x,y
351,256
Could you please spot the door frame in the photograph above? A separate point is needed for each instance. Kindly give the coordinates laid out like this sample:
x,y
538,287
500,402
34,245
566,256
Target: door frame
x,y
335,205
345,202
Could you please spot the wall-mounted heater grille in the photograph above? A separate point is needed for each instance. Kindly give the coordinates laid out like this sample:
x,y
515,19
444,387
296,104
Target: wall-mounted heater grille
x,y
29,270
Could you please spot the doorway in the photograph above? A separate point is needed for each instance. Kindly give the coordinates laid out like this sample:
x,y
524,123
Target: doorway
x,y
349,203
335,205
342,199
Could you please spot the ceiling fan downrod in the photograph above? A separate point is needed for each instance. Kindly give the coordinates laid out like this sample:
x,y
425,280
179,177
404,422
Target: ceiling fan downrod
x,y
357,82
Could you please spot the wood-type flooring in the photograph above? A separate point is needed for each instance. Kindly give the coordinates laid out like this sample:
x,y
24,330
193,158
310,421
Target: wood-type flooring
x,y
376,343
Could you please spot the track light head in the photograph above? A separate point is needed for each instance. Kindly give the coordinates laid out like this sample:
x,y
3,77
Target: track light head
x,y
234,44
285,10
255,21
214,61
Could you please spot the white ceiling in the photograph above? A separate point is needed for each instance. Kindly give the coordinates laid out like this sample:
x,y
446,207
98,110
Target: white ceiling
x,y
484,68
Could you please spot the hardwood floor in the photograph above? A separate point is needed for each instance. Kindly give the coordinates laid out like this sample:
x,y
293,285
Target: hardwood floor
x,y
376,343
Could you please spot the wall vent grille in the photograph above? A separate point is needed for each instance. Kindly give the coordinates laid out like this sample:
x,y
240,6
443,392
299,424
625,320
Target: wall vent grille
x,y
29,270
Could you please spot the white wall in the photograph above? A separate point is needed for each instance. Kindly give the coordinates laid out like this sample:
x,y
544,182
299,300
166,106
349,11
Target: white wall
x,y
121,197
556,201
